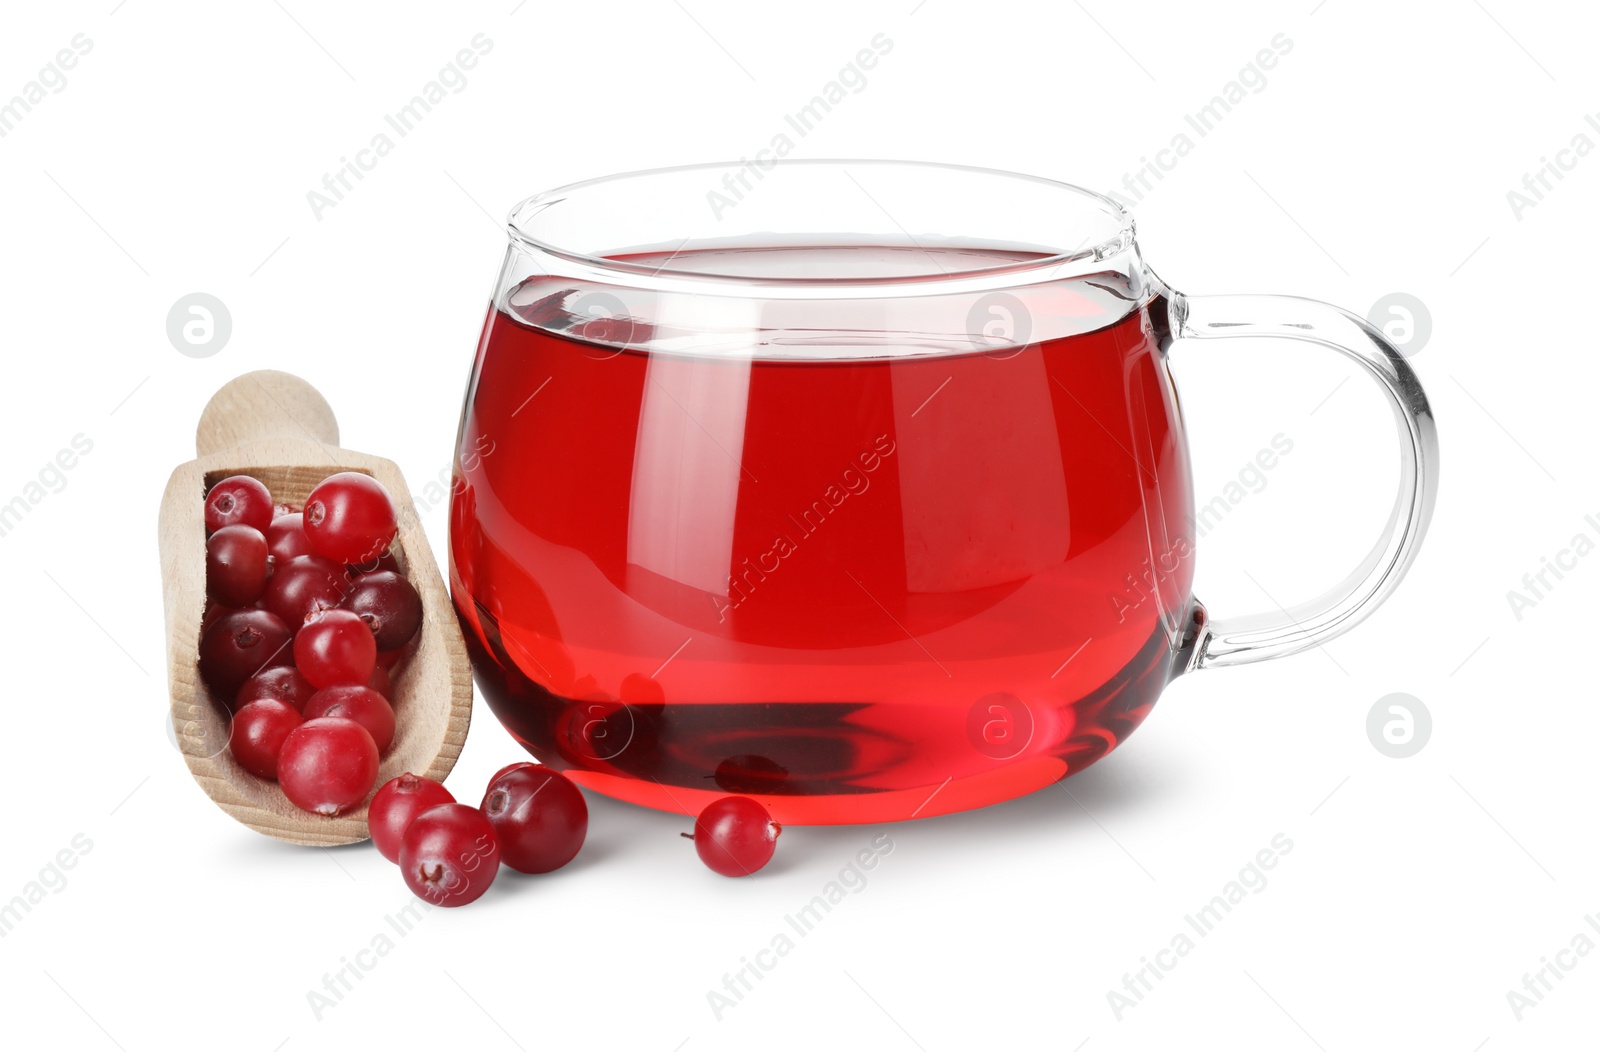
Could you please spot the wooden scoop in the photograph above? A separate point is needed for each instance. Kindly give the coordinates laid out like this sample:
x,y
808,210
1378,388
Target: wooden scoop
x,y
278,429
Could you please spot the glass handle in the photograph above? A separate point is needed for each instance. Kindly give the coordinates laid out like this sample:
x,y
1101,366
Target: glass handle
x,y
1241,640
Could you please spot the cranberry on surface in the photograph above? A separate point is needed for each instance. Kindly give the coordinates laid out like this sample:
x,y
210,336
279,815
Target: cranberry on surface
x,y
397,802
539,817
449,855
735,836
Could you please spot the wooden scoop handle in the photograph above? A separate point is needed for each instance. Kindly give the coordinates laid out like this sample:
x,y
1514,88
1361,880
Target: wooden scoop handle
x,y
263,405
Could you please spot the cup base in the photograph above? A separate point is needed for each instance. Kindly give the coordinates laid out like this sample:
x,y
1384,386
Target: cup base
x,y
816,763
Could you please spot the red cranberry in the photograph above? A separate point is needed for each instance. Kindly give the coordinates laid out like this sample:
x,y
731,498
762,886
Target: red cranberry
x,y
449,855
508,768
284,507
385,563
214,610
750,774
283,683
304,585
259,731
241,643
389,605
539,818
350,518
238,500
236,565
335,647
398,801
361,704
735,836
286,538
379,680
328,766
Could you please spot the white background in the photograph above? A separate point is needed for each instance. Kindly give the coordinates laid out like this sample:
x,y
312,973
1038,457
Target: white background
x,y
1376,159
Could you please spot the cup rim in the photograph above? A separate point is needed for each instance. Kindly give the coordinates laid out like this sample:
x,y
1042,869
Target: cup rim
x,y
521,216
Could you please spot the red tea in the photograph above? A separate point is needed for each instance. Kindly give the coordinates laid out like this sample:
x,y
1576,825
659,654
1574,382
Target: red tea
x,y
861,576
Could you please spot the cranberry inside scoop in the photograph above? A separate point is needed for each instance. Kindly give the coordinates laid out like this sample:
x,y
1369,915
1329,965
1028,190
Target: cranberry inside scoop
x,y
335,647
389,605
350,518
238,500
258,733
361,704
303,585
214,610
241,643
286,538
328,765
236,565
283,683
385,563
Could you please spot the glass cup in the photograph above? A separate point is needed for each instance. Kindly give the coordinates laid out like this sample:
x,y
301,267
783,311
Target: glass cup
x,y
858,487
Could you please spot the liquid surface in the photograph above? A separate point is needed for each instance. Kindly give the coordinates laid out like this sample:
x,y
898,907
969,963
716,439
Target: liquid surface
x,y
862,589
